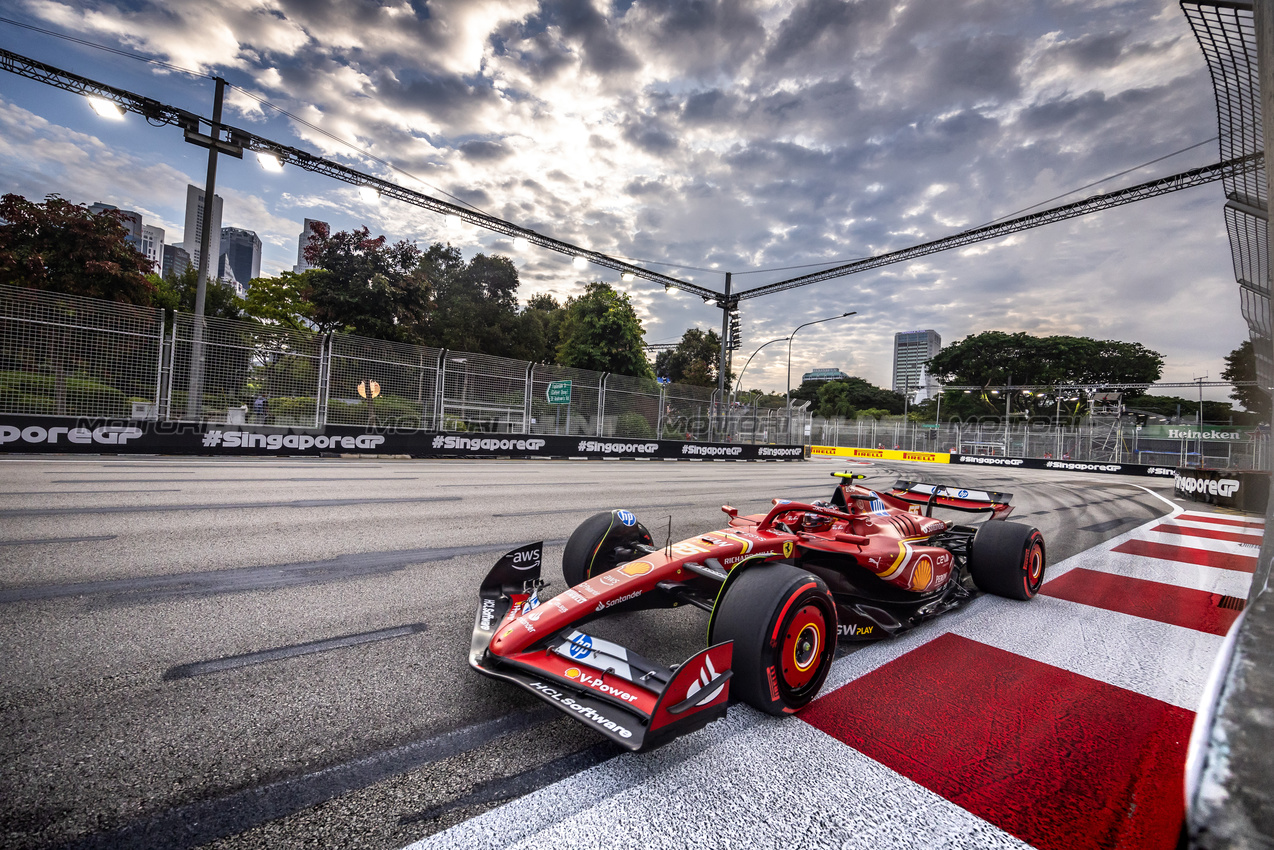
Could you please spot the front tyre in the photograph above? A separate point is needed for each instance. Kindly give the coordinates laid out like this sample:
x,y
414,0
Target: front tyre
x,y
1007,559
783,624
601,543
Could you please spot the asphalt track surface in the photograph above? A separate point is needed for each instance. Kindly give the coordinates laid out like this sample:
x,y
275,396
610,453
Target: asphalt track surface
x,y
271,653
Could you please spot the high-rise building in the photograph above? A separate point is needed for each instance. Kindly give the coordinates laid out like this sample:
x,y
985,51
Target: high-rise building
x,y
911,350
241,252
824,373
194,227
301,264
132,222
153,245
176,261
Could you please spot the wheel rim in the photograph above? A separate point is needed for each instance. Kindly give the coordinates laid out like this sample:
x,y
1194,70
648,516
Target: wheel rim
x,y
1033,566
803,642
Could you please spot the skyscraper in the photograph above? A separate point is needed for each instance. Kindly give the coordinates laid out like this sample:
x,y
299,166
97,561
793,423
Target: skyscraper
x,y
301,264
176,261
911,350
132,222
153,245
242,252
194,228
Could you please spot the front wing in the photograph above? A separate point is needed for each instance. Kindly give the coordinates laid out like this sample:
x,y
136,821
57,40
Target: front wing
x,y
634,702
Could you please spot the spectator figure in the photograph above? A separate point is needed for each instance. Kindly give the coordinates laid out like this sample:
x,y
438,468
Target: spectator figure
x,y
258,409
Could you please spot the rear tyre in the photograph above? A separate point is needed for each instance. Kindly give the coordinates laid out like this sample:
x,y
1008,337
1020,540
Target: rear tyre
x,y
783,624
1008,560
602,542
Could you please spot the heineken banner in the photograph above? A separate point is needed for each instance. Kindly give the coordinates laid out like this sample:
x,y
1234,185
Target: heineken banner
x,y
1211,433
97,436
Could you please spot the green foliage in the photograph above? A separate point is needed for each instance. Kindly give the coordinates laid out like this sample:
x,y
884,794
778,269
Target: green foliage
x,y
283,300
388,410
993,358
473,306
694,361
179,293
62,247
1217,412
601,332
77,396
1240,365
364,287
634,426
846,397
539,330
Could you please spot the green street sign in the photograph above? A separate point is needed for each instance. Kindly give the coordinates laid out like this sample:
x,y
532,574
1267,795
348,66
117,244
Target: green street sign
x,y
559,392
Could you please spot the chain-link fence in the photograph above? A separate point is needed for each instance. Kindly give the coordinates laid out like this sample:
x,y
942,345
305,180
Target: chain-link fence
x,y
1110,440
246,373
68,356
62,355
380,383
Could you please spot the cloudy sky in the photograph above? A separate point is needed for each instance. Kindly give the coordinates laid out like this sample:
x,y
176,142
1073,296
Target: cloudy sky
x,y
749,136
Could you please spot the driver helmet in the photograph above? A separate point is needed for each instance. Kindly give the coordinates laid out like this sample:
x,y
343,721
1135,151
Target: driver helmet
x,y
815,522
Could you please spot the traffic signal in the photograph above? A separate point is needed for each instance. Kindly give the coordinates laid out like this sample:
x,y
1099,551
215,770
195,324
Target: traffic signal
x,y
736,333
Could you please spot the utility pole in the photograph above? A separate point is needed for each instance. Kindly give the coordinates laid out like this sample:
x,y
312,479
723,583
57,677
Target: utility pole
x,y
194,397
723,366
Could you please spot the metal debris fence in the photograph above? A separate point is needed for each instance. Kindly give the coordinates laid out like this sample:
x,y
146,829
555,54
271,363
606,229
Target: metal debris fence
x,y
65,355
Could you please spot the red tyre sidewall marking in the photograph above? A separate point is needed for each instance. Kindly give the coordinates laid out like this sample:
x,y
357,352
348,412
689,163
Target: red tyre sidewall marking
x,y
1032,568
778,623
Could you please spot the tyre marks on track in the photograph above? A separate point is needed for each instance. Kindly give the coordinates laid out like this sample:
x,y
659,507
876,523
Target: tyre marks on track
x,y
204,821
241,579
278,653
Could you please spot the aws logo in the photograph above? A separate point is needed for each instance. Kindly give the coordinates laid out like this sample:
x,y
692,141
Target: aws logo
x,y
852,630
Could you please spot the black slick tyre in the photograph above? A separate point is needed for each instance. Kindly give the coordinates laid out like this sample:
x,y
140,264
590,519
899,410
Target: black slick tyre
x,y
601,543
783,624
1008,560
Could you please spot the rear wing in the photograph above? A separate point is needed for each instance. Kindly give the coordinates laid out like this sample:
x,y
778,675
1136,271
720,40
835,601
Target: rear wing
x,y
954,498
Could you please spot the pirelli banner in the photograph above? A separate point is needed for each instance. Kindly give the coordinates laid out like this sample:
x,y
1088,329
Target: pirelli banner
x,y
988,460
26,434
879,454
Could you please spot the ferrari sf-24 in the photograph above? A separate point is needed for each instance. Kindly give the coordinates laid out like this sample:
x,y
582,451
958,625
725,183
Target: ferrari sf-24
x,y
780,588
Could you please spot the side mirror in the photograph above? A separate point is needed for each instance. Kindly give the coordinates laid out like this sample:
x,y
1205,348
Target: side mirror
x,y
730,511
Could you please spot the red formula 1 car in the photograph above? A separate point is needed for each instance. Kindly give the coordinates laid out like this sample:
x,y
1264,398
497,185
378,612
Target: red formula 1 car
x,y
781,588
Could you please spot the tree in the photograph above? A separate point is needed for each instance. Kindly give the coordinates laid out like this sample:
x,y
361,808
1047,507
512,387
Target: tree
x,y
601,332
1240,365
539,330
992,358
283,300
694,361
995,358
473,306
177,292
62,247
366,287
847,397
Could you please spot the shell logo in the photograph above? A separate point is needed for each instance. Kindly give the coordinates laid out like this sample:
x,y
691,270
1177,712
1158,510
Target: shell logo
x,y
573,673
637,568
923,574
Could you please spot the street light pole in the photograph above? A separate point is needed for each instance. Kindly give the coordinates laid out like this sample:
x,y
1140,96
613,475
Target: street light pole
x,y
194,395
788,389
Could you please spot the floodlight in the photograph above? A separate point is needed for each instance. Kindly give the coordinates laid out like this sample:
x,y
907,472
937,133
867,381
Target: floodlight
x,y
580,263
370,194
520,244
106,108
269,161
